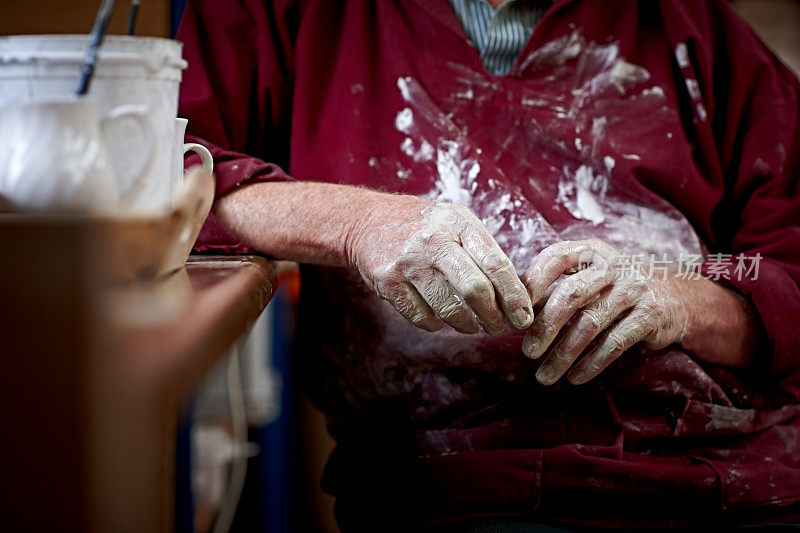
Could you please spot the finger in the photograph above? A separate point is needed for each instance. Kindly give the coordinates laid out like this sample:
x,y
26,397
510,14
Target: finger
x,y
560,258
572,293
472,285
490,258
635,327
590,323
412,306
439,295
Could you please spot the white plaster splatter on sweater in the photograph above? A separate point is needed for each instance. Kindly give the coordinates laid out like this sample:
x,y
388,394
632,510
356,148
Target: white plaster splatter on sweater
x,y
449,185
402,84
761,166
468,94
459,177
702,114
423,153
575,193
655,90
694,88
599,127
610,163
404,120
682,55
602,81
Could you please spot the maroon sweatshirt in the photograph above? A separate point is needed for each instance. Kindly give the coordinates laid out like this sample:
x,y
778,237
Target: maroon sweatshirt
x,y
663,127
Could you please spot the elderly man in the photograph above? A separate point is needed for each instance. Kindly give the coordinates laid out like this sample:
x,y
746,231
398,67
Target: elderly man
x,y
636,162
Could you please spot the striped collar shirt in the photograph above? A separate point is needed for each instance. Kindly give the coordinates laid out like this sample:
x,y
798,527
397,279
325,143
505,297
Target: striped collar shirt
x,y
499,34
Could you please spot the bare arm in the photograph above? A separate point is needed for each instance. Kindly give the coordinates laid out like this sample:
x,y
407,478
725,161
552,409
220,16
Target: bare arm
x,y
303,222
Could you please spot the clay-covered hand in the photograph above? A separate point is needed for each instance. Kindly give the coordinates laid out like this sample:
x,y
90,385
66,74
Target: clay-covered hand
x,y
436,263
602,298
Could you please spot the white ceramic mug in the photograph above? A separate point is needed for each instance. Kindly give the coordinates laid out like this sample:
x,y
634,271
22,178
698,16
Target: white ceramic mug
x,y
179,151
53,156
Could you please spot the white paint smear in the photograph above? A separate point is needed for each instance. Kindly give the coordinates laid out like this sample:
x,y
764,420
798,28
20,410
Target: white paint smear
x,y
682,55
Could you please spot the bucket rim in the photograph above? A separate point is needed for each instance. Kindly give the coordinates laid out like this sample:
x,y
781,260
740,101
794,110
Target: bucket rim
x,y
38,48
56,36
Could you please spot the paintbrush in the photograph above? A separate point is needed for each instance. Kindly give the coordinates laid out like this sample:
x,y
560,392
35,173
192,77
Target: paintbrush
x,y
95,40
132,14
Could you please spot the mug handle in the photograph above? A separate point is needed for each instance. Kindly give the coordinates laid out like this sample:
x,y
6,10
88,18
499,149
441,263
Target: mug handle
x,y
138,113
205,156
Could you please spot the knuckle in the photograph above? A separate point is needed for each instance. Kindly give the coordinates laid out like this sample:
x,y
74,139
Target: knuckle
x,y
569,294
592,320
639,286
616,341
593,367
577,291
416,274
477,288
433,240
437,292
407,261
650,308
554,250
496,262
386,289
462,210
598,244
451,308
531,275
417,316
426,321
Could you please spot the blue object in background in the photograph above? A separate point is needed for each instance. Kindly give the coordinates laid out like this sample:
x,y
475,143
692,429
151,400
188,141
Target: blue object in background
x,y
184,503
266,500
266,503
176,12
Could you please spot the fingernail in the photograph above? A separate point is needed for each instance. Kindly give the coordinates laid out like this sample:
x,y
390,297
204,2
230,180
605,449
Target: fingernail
x,y
529,347
545,375
522,318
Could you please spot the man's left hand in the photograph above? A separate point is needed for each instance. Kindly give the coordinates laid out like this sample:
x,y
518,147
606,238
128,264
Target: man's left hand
x,y
607,300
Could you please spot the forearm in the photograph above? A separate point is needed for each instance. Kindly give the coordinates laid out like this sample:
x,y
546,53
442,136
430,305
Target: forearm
x,y
722,326
305,222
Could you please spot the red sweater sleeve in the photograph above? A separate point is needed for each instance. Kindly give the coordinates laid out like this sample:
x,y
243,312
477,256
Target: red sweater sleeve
x,y
236,94
761,150
753,103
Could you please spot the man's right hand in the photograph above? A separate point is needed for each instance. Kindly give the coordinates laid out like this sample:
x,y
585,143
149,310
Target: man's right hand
x,y
437,264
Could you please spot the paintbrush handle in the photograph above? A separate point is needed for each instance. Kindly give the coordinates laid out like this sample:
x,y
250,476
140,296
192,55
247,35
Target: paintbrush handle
x,y
95,40
133,13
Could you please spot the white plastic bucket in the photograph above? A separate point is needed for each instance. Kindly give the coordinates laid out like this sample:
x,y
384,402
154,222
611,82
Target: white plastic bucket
x,y
130,70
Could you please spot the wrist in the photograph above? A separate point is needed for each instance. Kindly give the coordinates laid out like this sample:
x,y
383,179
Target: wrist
x,y
721,325
378,210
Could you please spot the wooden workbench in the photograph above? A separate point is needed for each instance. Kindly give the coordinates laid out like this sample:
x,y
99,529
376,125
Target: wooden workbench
x,y
94,372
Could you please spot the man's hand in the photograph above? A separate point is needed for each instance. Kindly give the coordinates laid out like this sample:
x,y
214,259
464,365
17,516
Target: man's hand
x,y
617,306
607,300
436,263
